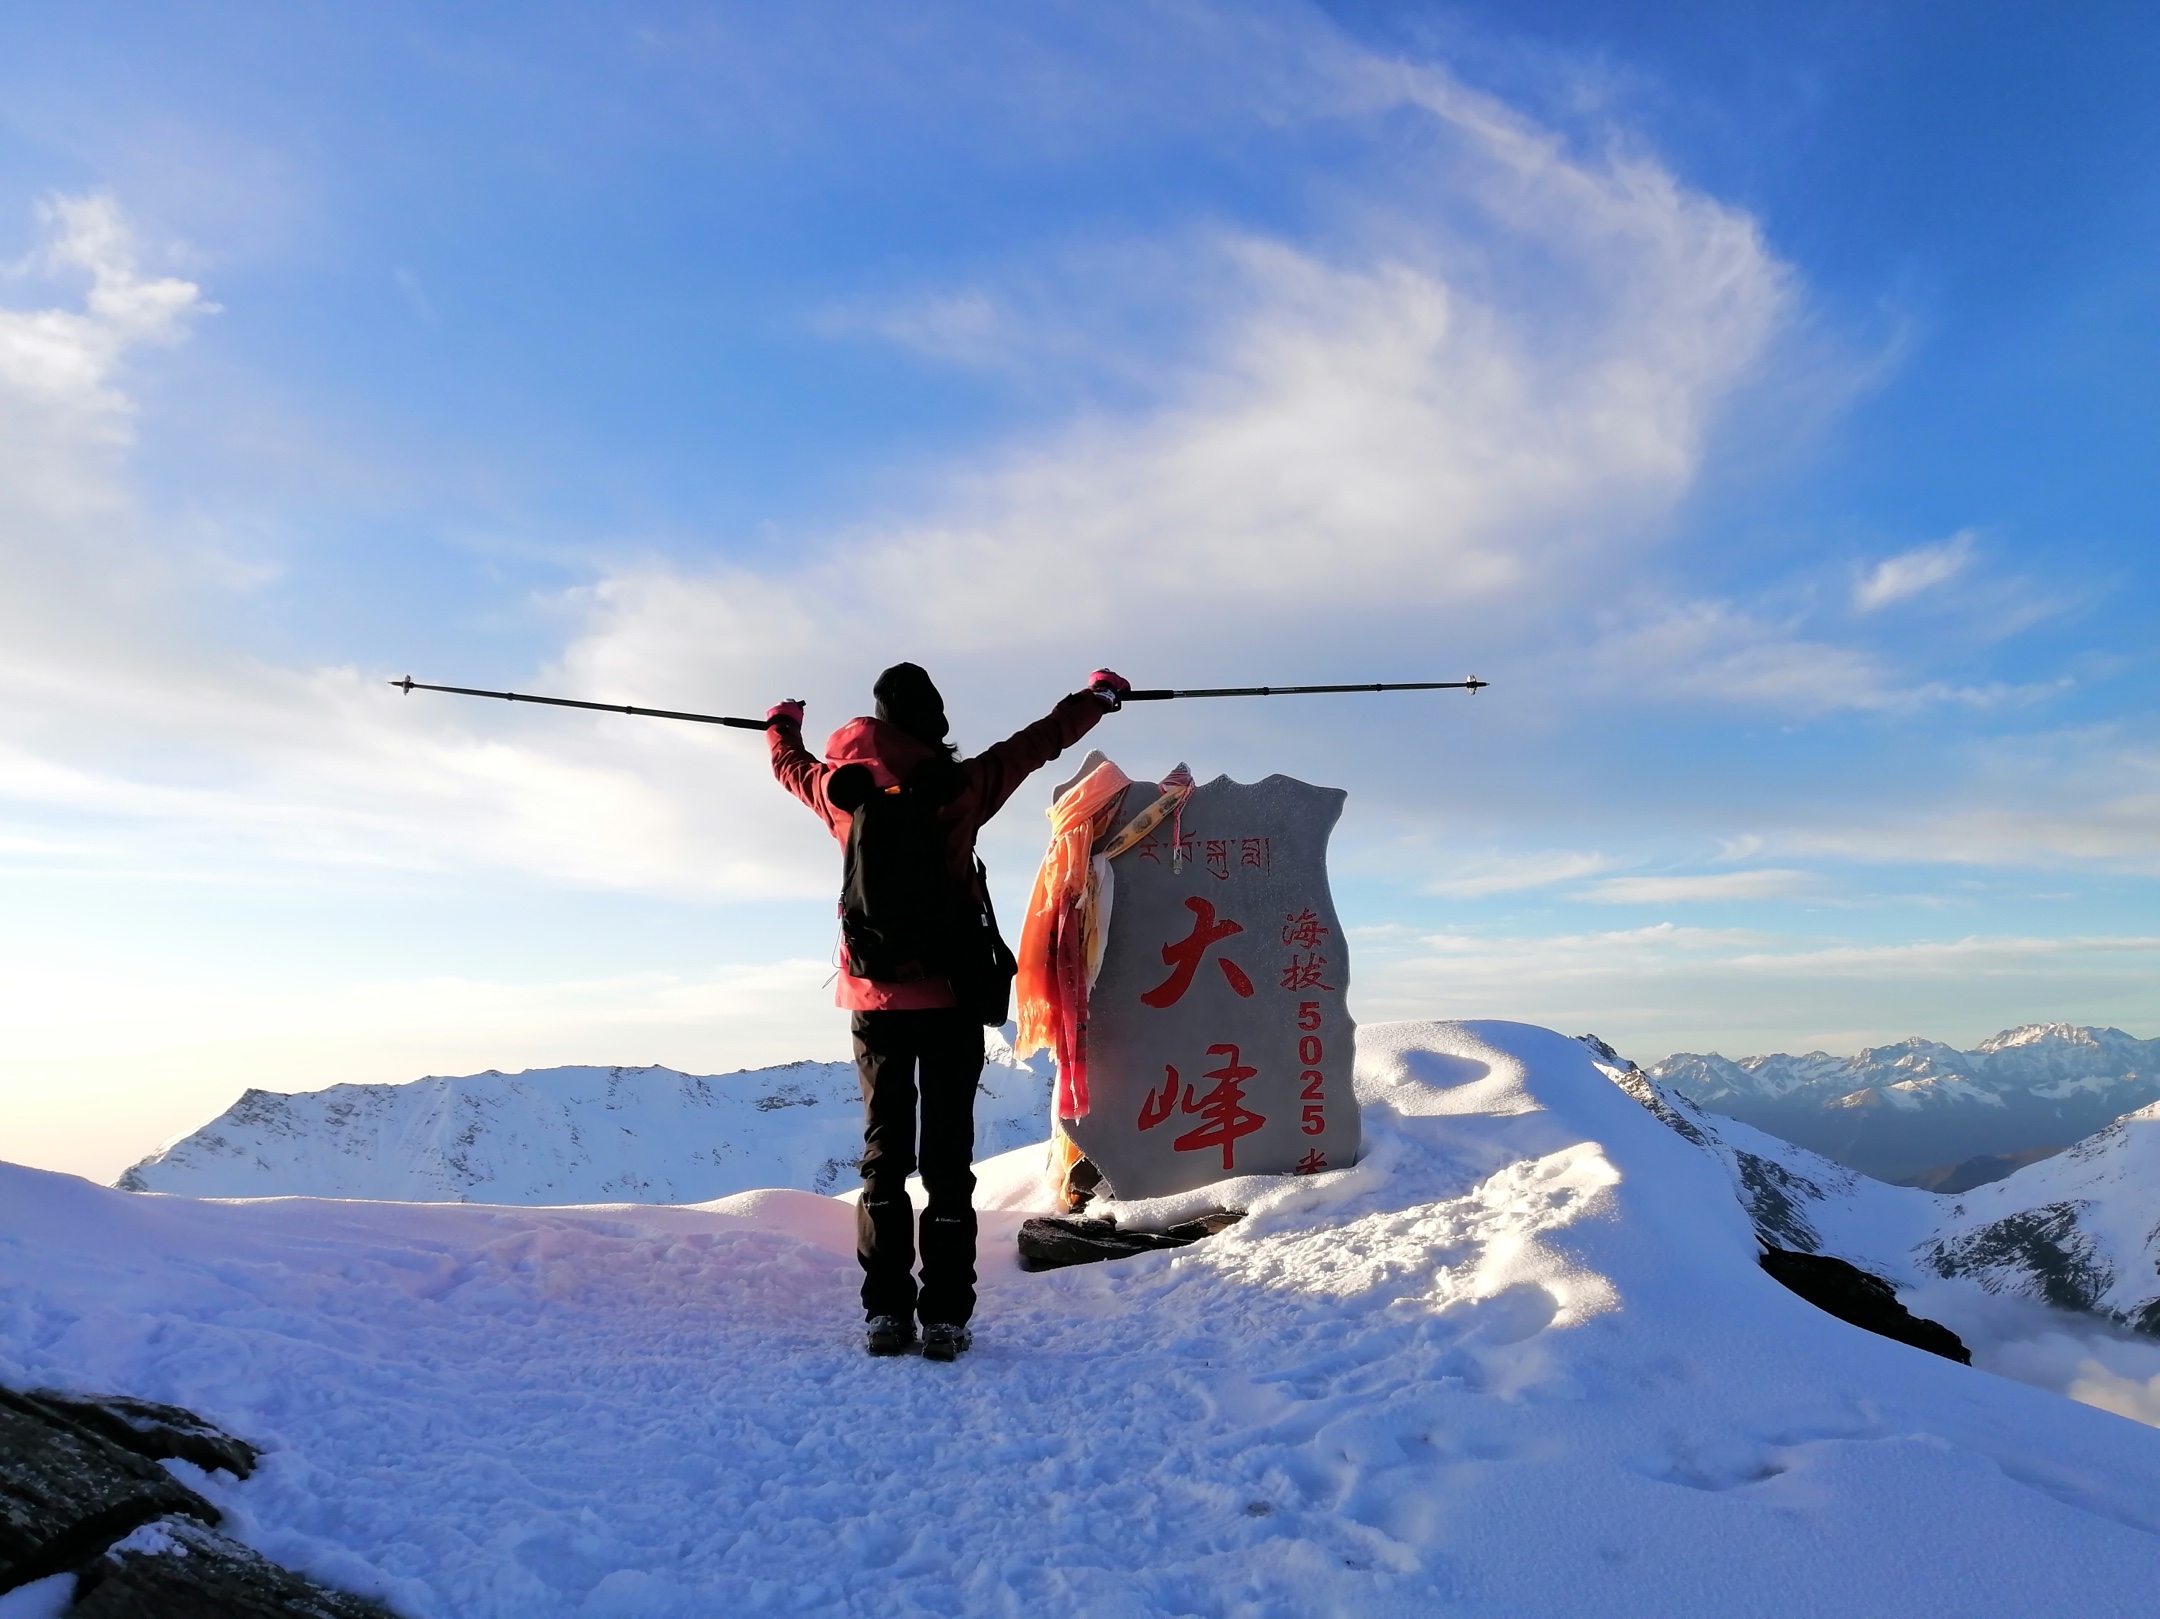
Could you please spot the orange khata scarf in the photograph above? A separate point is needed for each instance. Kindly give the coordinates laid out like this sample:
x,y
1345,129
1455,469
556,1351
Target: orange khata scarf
x,y
1068,921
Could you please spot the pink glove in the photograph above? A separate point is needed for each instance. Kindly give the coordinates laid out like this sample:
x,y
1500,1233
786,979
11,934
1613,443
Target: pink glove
x,y
1110,686
788,713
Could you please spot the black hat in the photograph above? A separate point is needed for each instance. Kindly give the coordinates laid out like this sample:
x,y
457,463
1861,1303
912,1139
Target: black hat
x,y
906,697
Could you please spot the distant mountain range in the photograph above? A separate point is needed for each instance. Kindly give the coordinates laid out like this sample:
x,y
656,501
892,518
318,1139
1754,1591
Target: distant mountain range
x,y
565,1135
1902,1111
2079,1230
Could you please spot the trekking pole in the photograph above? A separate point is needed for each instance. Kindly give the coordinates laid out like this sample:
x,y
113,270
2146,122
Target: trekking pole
x,y
1472,686
409,685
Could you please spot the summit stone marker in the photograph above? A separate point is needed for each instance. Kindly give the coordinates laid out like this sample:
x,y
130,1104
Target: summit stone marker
x,y
1219,1043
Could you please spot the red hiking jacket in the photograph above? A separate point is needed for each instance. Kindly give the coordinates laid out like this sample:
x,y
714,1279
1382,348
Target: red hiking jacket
x,y
987,781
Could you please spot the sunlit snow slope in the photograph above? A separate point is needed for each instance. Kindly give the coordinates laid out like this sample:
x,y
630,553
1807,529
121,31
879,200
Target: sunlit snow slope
x,y
564,1135
1519,1361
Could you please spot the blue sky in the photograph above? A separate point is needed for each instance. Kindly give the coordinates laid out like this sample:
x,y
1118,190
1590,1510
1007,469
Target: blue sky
x,y
1759,397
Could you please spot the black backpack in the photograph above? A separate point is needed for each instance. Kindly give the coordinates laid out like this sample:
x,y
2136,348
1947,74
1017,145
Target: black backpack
x,y
902,917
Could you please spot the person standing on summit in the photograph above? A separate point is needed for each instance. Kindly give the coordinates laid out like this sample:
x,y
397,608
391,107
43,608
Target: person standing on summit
x,y
923,970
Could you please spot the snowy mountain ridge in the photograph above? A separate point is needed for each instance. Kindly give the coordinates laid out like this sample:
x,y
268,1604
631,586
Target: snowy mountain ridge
x,y
577,1134
2076,1232
1895,1110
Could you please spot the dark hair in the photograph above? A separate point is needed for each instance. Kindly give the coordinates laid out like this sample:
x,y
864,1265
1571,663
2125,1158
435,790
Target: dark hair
x,y
907,697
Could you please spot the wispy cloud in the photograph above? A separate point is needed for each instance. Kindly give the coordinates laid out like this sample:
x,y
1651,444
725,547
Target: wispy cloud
x,y
1507,874
1381,419
2118,833
1898,578
1677,988
1722,653
63,410
1991,954
407,282
2081,796
1715,887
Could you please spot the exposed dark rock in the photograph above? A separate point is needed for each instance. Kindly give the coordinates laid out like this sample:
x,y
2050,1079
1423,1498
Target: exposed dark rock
x,y
148,1429
2045,1247
1051,1244
66,1493
81,1490
1852,1295
174,1569
1606,1052
1774,1196
1637,1084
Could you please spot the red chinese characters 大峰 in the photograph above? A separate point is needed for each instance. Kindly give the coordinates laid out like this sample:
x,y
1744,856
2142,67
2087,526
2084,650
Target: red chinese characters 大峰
x,y
1183,957
1223,1108
1157,1106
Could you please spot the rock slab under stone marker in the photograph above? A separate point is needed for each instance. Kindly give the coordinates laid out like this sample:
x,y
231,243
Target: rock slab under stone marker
x,y
173,1569
1219,1043
1052,1244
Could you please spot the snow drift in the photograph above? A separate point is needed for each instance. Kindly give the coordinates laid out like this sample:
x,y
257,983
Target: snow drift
x,y
1519,1360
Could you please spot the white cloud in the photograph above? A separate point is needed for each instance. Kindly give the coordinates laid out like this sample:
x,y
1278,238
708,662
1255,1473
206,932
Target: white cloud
x,y
1898,578
1724,886
1506,874
2085,1357
1402,423
1738,990
2121,833
1716,652
2098,1385
1973,956
118,704
1397,420
2081,796
61,403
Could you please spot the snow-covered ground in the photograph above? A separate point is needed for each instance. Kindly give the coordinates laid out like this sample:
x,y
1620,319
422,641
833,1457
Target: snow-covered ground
x,y
1519,1361
565,1135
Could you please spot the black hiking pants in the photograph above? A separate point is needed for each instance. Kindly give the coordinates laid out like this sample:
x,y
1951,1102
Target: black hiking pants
x,y
934,1059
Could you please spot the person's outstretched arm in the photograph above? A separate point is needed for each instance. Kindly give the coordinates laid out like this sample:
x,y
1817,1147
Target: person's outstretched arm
x,y
794,766
1000,769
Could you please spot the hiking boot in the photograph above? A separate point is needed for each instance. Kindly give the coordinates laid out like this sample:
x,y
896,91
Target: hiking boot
x,y
890,1335
942,1340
